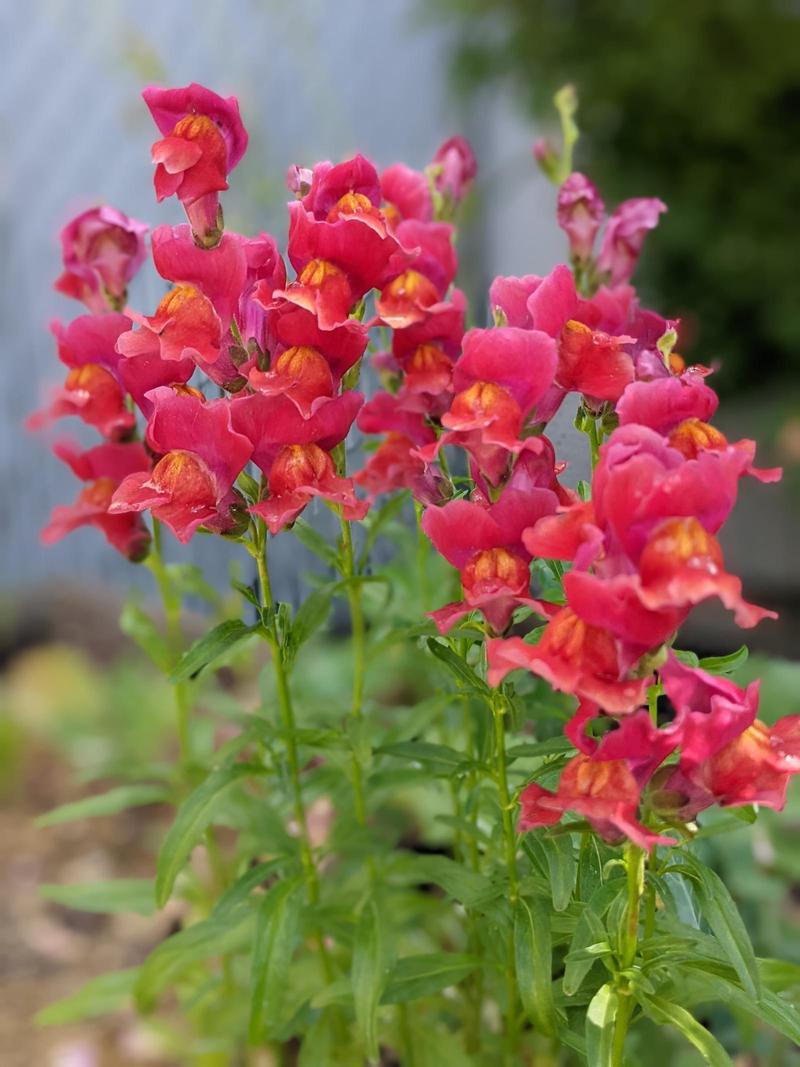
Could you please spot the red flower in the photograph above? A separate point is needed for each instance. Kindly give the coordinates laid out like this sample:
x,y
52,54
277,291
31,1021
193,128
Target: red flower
x,y
91,390
323,290
271,422
203,140
454,168
288,326
102,468
423,274
580,214
218,273
299,473
593,363
509,296
572,535
356,242
386,413
710,711
348,188
753,768
407,194
102,249
485,544
191,485
185,326
640,481
300,373
394,465
682,564
665,402
575,658
501,375
266,273
604,792
624,236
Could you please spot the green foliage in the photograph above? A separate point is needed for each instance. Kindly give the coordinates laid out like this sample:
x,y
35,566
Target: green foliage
x,y
693,101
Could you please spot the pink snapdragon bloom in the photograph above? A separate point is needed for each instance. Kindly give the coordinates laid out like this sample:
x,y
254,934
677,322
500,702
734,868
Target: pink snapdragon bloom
x,y
394,465
605,792
299,473
201,455
485,543
203,140
102,250
294,453
574,657
753,768
624,236
92,390
580,214
406,194
102,468
348,188
500,377
454,168
272,422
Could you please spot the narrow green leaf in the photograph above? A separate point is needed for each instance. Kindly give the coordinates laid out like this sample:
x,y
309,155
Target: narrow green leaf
x,y
368,976
241,889
311,614
415,977
666,1014
137,624
725,664
122,895
771,1008
316,543
209,648
111,803
99,996
462,671
562,862
589,931
466,886
181,951
533,952
722,915
779,975
440,758
276,935
600,1016
553,746
194,815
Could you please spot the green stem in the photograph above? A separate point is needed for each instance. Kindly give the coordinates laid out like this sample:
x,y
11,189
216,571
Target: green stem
x,y
358,633
499,711
287,718
423,548
652,703
634,868
171,602
594,441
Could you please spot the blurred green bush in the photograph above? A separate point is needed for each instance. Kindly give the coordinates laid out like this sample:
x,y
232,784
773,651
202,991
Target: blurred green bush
x,y
695,101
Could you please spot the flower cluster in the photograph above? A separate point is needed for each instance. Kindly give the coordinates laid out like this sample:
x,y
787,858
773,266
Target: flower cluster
x,y
372,255
639,552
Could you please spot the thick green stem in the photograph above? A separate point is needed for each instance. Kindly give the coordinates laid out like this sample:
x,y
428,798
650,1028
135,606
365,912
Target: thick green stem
x,y
171,602
634,868
358,633
594,441
287,719
499,711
